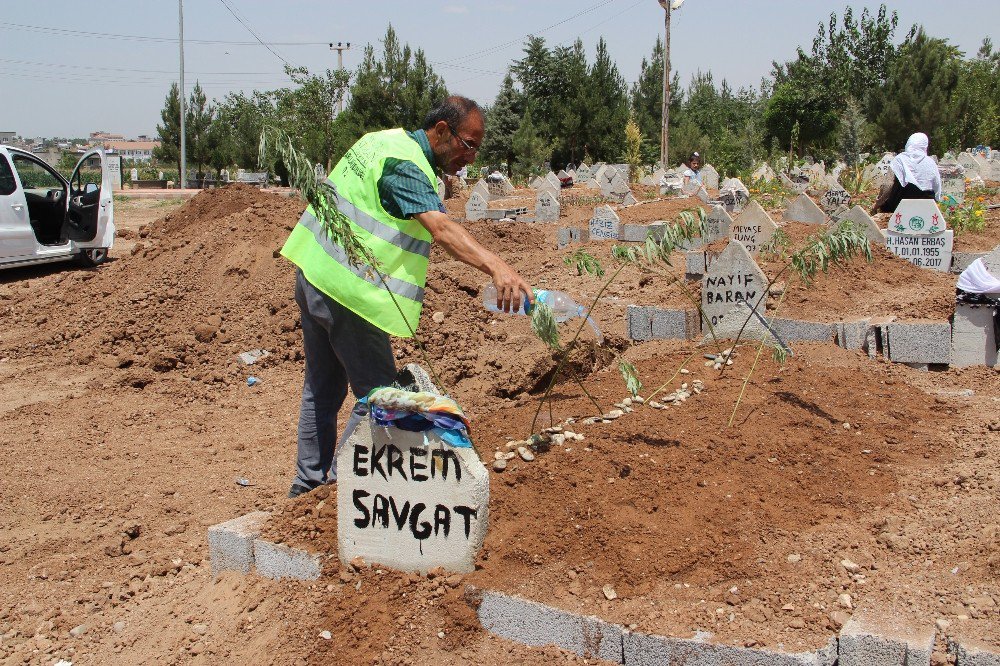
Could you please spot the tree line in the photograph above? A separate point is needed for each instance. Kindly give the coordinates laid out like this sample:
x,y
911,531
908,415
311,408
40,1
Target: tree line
x,y
855,90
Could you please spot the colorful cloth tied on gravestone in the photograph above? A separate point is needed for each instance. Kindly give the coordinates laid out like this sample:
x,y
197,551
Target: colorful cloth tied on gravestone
x,y
419,412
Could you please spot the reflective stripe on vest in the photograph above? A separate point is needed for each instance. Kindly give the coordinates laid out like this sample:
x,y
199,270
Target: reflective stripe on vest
x,y
376,227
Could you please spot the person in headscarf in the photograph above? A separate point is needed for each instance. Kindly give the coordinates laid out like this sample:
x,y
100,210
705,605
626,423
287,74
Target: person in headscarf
x,y
916,176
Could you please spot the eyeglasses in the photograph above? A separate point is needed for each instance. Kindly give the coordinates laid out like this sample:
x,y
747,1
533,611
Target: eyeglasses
x,y
465,144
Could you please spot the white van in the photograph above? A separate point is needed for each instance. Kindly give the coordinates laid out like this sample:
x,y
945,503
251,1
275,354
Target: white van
x,y
44,218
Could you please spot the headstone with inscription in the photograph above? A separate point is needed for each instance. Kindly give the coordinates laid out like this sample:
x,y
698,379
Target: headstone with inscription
x,y
224,176
133,175
752,228
583,173
115,171
835,197
952,183
968,162
409,500
475,207
734,195
803,209
717,224
605,224
482,189
710,177
615,189
546,207
918,233
731,277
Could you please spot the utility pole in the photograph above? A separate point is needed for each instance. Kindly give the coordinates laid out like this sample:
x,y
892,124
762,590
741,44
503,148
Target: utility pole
x,y
180,19
665,132
340,47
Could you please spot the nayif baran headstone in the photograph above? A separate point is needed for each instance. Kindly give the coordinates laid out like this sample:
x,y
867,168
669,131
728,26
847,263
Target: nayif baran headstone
x,y
732,277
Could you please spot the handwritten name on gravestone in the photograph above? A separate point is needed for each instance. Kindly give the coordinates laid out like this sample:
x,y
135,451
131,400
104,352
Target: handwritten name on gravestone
x,y
717,224
605,224
475,207
835,197
583,173
409,501
546,207
952,182
115,171
752,228
732,277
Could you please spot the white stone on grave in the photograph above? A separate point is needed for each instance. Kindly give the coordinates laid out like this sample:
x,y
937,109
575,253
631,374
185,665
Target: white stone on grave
x,y
475,207
562,174
834,198
733,190
546,207
629,199
752,228
583,173
592,184
572,174
605,224
604,174
952,182
134,175
710,177
969,163
553,180
223,175
717,225
159,175
482,189
732,277
992,261
803,209
114,163
702,194
616,188
648,181
764,172
918,233
797,188
860,217
319,171
409,501
536,182
506,187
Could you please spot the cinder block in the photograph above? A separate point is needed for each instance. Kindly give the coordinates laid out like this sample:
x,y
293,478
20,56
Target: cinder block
x,y
534,624
865,641
646,650
853,334
973,336
633,233
640,322
694,263
913,342
275,560
563,237
230,544
961,260
974,653
675,324
793,330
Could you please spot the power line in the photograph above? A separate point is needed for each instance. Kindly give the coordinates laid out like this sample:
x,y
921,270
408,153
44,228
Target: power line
x,y
124,69
138,38
251,31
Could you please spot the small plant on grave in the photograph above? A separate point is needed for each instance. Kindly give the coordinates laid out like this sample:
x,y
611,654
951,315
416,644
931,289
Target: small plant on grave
x,y
768,194
653,253
968,216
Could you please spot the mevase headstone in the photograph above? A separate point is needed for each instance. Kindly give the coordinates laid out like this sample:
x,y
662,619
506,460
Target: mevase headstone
x,y
605,224
752,228
732,277
952,182
115,171
803,209
482,189
546,207
860,217
835,197
710,177
409,501
717,224
917,233
475,207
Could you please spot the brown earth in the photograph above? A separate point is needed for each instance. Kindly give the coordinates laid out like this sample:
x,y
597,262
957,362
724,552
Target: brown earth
x,y
128,421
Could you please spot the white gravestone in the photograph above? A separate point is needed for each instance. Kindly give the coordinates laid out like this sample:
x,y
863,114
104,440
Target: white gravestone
x,y
115,170
536,182
506,186
710,177
860,217
615,189
319,171
409,501
717,224
562,174
482,189
835,197
917,233
475,207
583,173
592,184
764,172
968,162
134,175
732,277
553,180
952,182
752,228
605,224
734,194
803,209
546,207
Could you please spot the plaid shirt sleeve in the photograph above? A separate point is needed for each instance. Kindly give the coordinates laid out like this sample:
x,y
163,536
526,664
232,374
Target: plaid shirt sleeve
x,y
404,190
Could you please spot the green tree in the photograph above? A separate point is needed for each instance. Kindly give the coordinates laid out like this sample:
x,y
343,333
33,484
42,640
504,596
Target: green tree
x,y
975,104
531,150
917,92
633,149
239,120
169,132
198,118
306,112
502,121
607,103
568,103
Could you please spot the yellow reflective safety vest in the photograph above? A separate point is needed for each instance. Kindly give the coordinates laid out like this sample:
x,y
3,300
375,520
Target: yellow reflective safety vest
x,y
401,246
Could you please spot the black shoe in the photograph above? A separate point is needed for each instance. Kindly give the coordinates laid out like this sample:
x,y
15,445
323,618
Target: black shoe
x,y
297,490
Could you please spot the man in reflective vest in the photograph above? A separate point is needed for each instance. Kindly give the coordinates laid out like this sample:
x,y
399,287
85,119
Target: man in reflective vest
x,y
386,185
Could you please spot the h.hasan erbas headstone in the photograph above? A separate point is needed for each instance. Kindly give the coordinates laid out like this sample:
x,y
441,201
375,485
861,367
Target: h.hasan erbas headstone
x,y
917,232
409,501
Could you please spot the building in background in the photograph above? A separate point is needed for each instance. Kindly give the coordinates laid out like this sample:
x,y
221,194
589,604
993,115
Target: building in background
x,y
139,151
7,137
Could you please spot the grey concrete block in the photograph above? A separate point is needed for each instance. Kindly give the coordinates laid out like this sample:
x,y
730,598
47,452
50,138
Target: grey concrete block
x,y
633,233
974,653
913,342
867,641
853,334
230,544
534,624
961,260
275,560
646,650
694,262
793,330
563,237
640,322
670,324
973,336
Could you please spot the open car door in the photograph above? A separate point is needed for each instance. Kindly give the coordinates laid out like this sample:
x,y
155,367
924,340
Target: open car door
x,y
90,215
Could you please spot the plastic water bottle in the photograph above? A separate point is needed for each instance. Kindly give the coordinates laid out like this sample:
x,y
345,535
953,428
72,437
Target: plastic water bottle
x,y
562,305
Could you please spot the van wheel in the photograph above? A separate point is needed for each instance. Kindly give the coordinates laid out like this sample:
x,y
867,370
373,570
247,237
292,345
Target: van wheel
x,y
93,256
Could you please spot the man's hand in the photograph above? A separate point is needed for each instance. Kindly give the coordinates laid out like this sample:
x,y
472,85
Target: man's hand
x,y
510,286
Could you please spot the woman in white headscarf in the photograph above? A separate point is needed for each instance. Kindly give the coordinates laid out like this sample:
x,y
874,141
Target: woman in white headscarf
x,y
917,176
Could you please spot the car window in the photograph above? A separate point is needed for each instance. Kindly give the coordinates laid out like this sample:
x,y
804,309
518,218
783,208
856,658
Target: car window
x,y
34,175
7,185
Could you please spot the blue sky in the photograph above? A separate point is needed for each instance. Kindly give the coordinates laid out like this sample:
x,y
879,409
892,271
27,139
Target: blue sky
x,y
61,78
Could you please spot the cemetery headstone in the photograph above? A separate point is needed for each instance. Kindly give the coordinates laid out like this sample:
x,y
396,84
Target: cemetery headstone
x,y
732,277
319,171
592,184
475,207
752,228
918,233
734,195
583,172
702,194
115,171
506,187
968,162
803,209
629,199
409,500
615,189
835,197
605,224
483,171
860,217
562,174
717,224
133,175
710,177
952,183
764,172
797,188
223,175
159,176
482,189
546,207
553,180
